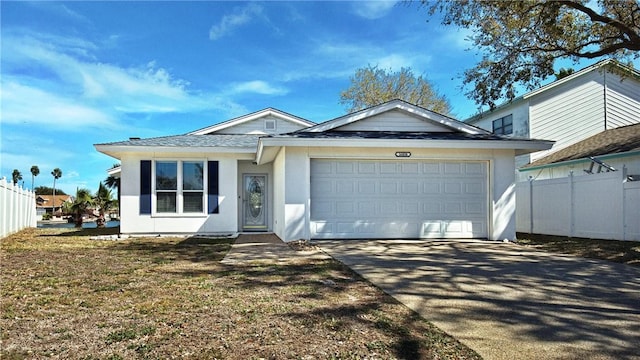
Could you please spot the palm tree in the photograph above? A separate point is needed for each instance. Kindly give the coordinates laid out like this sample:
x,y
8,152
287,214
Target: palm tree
x,y
104,201
57,174
113,182
35,171
80,205
17,176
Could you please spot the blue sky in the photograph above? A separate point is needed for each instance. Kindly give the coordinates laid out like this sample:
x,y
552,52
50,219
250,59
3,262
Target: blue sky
x,y
79,73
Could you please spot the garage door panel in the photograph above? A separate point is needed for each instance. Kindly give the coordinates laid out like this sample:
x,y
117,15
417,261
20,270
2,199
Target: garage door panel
x,y
387,199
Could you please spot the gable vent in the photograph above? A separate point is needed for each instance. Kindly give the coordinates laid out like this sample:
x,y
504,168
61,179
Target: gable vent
x,y
270,124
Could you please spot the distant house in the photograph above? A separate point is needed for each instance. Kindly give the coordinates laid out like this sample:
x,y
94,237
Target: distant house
x,y
597,98
611,150
395,170
45,204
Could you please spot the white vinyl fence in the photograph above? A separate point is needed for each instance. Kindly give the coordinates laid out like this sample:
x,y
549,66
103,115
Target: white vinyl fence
x,y
17,208
598,206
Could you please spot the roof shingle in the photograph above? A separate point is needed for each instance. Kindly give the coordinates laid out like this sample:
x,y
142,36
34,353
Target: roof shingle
x,y
618,140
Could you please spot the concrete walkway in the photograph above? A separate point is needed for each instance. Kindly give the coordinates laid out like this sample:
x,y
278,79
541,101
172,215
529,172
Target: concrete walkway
x,y
267,248
505,301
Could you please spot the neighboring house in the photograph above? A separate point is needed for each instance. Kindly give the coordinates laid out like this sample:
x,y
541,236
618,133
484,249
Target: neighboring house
x,y
611,150
391,171
600,97
589,189
45,205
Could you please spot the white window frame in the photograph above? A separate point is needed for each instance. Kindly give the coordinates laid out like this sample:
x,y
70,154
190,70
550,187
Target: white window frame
x,y
179,189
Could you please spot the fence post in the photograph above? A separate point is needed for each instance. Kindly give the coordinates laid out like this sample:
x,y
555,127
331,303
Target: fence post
x,y
530,204
572,215
624,203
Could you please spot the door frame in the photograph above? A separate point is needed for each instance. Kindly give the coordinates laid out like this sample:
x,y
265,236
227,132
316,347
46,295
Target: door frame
x,y
265,205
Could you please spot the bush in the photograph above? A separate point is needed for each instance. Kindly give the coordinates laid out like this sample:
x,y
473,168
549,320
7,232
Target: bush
x,y
46,217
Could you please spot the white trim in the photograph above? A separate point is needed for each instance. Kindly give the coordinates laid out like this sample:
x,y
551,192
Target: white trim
x,y
116,151
179,189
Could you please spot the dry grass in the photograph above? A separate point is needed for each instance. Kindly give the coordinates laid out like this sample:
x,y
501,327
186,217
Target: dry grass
x,y
625,252
66,296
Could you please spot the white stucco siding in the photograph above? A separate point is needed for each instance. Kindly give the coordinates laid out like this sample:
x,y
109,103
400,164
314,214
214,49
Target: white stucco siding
x,y
623,101
296,195
259,126
132,222
278,194
503,197
569,112
394,120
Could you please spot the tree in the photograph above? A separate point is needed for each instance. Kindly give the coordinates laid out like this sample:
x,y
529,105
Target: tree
x,y
521,40
57,174
113,182
16,176
372,86
46,190
35,171
104,201
80,204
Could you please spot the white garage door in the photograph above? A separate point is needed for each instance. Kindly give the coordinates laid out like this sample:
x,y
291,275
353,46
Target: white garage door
x,y
398,199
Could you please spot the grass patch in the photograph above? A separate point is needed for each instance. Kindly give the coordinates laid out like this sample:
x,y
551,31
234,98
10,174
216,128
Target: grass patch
x,y
624,252
63,295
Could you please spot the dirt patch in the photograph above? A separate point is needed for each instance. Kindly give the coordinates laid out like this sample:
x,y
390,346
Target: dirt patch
x,y
66,296
625,252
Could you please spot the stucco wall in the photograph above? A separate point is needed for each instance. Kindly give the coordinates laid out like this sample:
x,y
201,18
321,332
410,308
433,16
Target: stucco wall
x,y
226,221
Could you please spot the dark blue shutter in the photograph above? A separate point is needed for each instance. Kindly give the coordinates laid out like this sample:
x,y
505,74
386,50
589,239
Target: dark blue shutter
x,y
212,187
145,187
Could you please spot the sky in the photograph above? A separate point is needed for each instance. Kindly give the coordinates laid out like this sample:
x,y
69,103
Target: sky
x,y
74,74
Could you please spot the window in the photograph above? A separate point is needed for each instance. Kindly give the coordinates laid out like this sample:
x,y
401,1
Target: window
x,y
179,186
503,126
193,186
166,186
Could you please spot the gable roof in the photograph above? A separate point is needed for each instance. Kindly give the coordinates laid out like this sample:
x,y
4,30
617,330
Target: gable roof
x,y
613,141
46,201
253,116
417,111
607,63
461,136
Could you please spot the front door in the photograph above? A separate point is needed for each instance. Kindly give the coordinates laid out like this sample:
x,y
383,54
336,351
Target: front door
x,y
254,202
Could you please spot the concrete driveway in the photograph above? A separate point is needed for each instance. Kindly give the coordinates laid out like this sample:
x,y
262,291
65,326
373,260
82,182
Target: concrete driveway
x,y
505,301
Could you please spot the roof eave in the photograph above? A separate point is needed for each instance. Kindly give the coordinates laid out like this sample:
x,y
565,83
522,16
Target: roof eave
x,y
580,160
520,146
117,151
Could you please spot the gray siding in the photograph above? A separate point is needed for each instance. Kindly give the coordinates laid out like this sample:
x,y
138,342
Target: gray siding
x,y
623,101
257,126
393,121
569,112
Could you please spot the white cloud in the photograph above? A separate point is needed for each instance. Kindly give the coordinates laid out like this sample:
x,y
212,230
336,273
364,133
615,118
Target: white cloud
x,y
87,91
33,106
394,62
258,87
230,22
373,9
